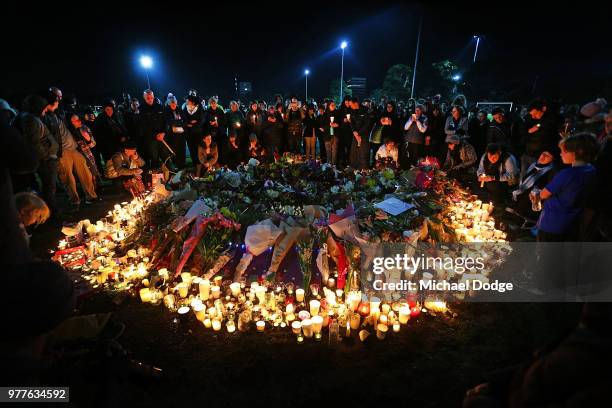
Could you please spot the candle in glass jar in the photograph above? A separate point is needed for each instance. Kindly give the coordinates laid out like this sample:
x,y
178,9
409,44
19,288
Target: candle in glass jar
x,y
261,325
169,301
260,292
299,295
314,307
404,314
381,331
396,327
207,323
145,295
355,321
215,291
231,326
186,277
307,328
235,288
289,309
216,324
183,289
383,319
296,327
317,324
374,305
200,311
386,308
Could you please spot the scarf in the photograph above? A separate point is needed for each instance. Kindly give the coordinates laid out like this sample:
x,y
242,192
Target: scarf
x,y
533,174
193,110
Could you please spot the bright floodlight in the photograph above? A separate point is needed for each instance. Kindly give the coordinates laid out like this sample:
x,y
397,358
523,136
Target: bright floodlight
x,y
306,71
343,45
456,77
146,62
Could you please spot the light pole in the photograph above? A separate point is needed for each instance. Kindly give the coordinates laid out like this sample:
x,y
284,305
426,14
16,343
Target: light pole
x,y
342,46
146,62
416,57
477,44
306,73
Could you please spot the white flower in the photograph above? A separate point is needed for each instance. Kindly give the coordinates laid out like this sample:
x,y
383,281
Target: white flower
x,y
335,190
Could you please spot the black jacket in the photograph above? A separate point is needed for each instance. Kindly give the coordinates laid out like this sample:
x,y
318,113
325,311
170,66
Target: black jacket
x,y
152,121
273,132
209,117
194,123
108,132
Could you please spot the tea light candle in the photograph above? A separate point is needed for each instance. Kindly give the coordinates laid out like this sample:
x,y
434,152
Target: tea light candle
x,y
307,328
261,325
314,307
207,323
216,324
296,327
396,327
381,331
299,295
215,291
231,326
235,288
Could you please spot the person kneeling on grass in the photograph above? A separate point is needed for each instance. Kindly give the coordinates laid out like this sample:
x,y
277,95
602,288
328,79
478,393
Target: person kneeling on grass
x,y
498,170
387,154
208,155
126,166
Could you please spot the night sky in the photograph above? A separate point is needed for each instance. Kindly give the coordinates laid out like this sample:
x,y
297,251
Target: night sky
x,y
92,49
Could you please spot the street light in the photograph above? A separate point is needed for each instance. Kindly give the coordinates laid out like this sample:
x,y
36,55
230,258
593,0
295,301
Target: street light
x,y
146,62
477,44
343,45
456,77
306,73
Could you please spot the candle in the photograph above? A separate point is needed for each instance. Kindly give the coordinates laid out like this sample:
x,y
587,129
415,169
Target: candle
x,y
296,327
404,314
289,309
216,324
235,288
207,323
261,325
260,292
216,291
200,311
353,300
396,327
381,331
383,319
299,295
317,324
183,289
355,321
330,297
231,326
438,306
307,328
364,308
314,307
145,295
186,277
386,308
169,301
374,305
303,315
290,317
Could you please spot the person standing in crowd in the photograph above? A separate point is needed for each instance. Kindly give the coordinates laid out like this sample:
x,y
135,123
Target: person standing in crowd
x,y
234,120
387,126
321,133
456,123
193,117
254,120
538,175
294,119
272,133
360,146
330,128
214,119
345,132
460,159
109,132
175,130
499,130
71,160
208,155
435,131
232,153
152,129
563,198
414,136
310,133
84,138
477,129
132,117
44,145
542,134
498,172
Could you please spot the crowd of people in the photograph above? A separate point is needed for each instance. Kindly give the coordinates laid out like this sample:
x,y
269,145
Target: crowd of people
x,y
547,164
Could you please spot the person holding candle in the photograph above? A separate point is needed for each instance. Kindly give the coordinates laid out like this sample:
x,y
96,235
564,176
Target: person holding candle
x,y
497,172
232,153
208,155
254,121
214,121
414,137
329,128
273,132
193,116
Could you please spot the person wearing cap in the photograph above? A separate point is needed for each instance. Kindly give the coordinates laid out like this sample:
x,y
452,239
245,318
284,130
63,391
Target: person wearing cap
x,y
214,120
460,159
109,131
175,130
152,129
499,130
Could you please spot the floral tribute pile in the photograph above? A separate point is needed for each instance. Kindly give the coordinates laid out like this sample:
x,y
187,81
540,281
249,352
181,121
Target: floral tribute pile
x,y
275,245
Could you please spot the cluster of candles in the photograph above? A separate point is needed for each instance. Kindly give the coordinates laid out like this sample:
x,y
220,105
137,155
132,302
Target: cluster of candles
x,y
238,306
472,222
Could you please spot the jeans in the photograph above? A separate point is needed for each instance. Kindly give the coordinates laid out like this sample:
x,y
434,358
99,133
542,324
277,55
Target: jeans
x,y
331,150
310,144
